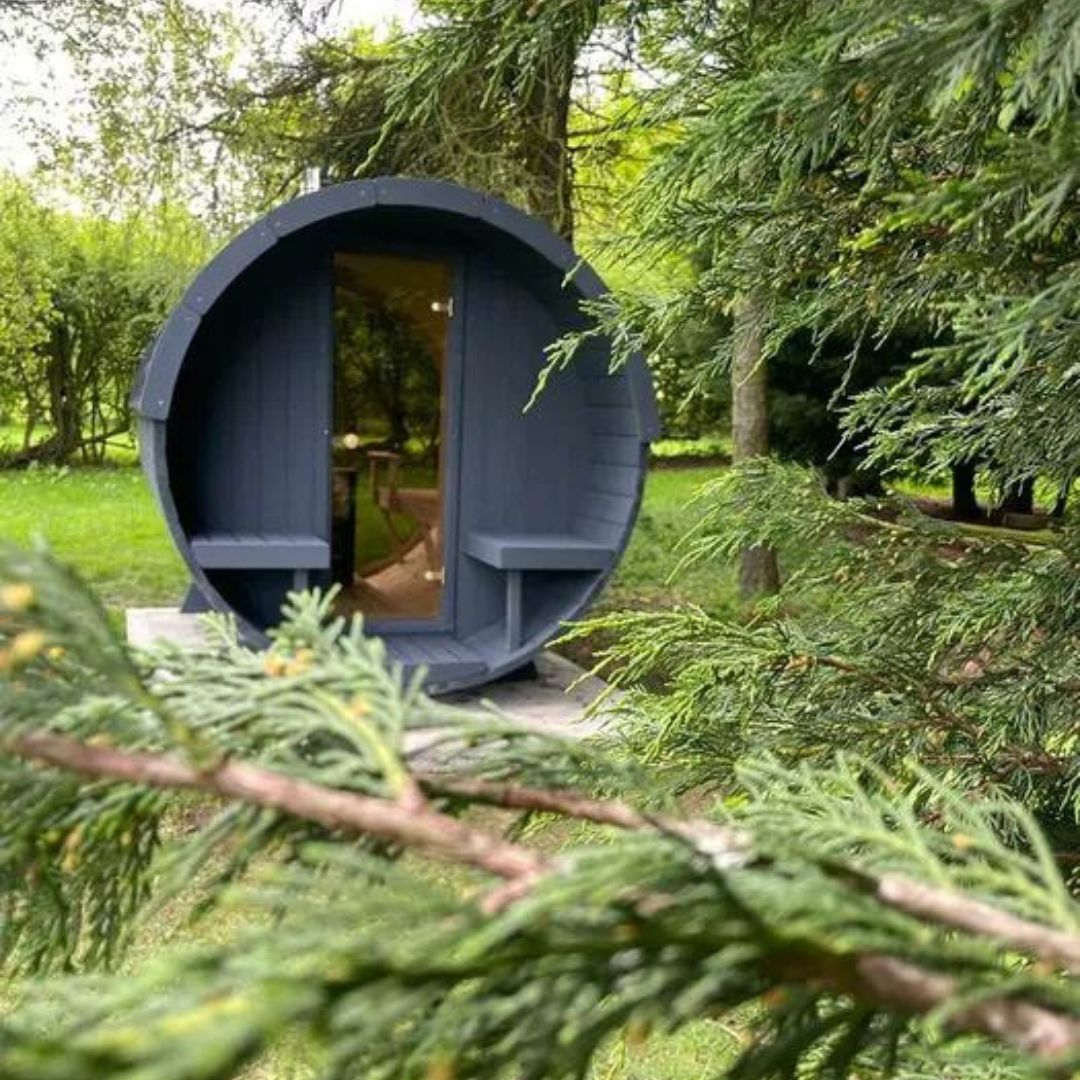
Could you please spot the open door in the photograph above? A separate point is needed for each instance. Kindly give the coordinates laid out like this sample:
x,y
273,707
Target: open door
x,y
391,395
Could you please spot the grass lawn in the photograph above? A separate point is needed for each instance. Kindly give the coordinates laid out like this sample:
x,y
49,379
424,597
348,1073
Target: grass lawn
x,y
643,579
101,521
104,523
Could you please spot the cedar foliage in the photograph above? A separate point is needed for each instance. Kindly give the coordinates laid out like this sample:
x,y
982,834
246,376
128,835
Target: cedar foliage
x,y
889,168
868,922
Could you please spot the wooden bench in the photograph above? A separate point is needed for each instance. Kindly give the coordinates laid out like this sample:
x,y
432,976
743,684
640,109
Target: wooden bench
x,y
262,551
516,553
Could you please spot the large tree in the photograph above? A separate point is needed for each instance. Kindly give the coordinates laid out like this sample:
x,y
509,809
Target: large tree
x,y
892,168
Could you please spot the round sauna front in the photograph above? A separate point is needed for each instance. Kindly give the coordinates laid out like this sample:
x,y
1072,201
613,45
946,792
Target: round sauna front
x,y
340,398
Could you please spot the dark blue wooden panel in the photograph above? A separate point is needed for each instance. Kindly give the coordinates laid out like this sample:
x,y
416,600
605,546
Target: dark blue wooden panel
x,y
613,420
223,269
615,450
431,195
331,202
521,471
248,435
614,479
153,392
599,531
645,400
618,509
195,602
257,595
248,442
548,596
608,390
447,660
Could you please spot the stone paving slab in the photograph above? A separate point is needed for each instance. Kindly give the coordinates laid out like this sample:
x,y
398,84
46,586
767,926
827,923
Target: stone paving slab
x,y
555,700
151,626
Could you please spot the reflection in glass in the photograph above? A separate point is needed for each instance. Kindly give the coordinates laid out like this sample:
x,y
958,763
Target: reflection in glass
x,y
390,320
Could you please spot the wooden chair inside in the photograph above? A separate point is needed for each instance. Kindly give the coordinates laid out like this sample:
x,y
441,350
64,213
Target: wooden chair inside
x,y
423,505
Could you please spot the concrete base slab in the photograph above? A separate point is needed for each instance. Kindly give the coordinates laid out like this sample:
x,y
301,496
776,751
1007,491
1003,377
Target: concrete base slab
x,y
555,700
153,626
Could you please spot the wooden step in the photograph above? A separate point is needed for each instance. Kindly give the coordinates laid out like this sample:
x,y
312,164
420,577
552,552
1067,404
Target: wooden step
x,y
445,657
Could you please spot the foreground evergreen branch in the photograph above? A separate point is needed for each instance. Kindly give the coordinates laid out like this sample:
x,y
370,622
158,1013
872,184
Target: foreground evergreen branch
x,y
895,636
881,980
855,919
407,821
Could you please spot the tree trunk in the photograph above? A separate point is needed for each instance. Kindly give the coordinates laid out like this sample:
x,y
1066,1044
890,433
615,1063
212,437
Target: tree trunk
x,y
965,502
63,396
759,572
1061,504
1019,498
29,427
547,157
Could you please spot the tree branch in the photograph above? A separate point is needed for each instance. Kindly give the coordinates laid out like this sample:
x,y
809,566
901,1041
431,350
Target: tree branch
x,y
571,804
947,907
406,824
882,980
906,988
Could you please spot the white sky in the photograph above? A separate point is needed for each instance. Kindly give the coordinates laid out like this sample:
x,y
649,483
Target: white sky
x,y
51,82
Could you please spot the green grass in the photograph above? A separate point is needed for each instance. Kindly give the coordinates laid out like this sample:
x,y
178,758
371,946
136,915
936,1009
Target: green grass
x,y
643,579
699,1050
101,521
104,523
122,450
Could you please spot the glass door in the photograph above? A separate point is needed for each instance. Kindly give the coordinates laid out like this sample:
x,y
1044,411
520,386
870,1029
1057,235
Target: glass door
x,y
391,360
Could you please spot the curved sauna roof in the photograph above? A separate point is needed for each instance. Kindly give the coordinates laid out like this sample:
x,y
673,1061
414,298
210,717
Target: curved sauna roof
x,y
508,521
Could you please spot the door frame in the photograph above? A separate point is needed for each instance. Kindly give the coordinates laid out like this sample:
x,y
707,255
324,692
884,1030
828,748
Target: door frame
x,y
453,398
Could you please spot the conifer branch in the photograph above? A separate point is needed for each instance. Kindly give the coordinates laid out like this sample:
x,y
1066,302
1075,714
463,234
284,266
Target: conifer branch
x,y
570,804
876,979
825,887
947,907
403,823
901,986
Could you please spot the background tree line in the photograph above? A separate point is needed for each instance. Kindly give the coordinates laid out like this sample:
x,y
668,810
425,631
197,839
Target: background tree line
x,y
80,299
198,107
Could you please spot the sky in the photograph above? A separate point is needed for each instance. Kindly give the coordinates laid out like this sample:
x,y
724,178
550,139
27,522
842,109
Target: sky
x,y
50,79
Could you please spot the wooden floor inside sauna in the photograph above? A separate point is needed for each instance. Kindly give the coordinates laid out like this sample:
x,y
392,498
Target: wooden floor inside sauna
x,y
396,591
